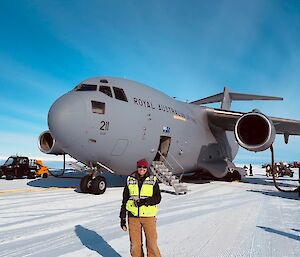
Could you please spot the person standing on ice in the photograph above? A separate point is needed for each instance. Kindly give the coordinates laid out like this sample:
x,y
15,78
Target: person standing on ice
x,y
250,170
141,195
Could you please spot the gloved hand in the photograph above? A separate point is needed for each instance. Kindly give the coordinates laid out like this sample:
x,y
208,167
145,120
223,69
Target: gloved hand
x,y
140,202
123,224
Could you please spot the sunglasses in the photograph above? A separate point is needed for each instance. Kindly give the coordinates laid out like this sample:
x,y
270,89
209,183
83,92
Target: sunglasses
x,y
142,167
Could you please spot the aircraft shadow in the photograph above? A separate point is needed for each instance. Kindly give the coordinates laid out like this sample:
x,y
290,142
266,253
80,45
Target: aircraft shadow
x,y
74,182
268,181
196,178
167,192
271,230
95,242
54,182
282,183
196,181
286,195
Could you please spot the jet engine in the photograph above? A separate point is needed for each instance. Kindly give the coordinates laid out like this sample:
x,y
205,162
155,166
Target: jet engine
x,y
254,131
47,144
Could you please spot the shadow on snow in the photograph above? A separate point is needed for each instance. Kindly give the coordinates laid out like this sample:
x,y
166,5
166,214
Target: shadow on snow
x,y
271,230
286,195
95,242
73,181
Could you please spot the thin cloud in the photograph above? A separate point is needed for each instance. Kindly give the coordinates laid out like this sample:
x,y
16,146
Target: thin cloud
x,y
25,77
18,124
25,144
10,106
18,143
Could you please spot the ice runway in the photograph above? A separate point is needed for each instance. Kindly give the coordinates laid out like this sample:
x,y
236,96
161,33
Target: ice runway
x,y
48,217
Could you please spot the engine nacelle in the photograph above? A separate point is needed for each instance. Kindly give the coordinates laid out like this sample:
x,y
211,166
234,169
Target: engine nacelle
x,y
254,131
47,144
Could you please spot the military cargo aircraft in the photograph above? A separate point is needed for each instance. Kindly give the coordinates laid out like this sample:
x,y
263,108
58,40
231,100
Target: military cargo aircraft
x,y
109,123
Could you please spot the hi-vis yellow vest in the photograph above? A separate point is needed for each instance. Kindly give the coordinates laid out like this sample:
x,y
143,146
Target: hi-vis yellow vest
x,y
134,194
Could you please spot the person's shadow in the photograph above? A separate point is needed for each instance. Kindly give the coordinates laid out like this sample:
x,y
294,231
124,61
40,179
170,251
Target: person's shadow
x,y
95,242
282,233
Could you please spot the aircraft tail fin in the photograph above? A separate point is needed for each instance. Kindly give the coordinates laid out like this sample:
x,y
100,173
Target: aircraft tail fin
x,y
227,97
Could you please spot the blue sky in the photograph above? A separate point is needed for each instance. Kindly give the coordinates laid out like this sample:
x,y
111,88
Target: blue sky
x,y
187,49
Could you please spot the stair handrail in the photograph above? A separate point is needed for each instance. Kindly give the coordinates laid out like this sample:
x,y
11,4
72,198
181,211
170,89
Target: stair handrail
x,y
176,161
169,182
165,159
180,177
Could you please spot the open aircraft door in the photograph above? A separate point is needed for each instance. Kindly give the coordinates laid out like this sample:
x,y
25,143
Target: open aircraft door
x,y
163,148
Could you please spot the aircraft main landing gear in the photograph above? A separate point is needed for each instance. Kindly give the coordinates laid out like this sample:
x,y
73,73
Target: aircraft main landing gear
x,y
233,176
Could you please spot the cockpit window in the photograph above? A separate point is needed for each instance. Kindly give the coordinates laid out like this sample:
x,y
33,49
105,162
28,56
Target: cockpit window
x,y
98,107
86,87
120,94
106,90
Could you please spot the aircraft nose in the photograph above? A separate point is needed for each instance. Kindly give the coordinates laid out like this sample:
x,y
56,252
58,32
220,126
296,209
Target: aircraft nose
x,y
64,117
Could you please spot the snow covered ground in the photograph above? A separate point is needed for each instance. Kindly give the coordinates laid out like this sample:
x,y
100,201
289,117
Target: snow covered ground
x,y
49,217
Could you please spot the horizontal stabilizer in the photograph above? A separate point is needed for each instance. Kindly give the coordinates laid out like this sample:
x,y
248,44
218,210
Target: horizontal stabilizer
x,y
229,96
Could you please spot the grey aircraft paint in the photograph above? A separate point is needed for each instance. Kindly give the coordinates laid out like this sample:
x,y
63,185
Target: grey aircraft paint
x,y
194,136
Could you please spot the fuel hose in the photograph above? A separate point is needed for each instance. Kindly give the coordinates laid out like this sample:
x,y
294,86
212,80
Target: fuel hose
x,y
274,177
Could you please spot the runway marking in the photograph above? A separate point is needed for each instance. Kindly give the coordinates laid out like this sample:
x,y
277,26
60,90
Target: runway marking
x,y
11,191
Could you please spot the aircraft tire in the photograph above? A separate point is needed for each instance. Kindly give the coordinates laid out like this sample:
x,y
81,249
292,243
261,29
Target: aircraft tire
x,y
86,184
234,176
99,185
237,176
45,175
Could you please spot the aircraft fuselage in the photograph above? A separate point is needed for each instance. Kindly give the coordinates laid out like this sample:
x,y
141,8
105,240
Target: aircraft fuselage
x,y
118,127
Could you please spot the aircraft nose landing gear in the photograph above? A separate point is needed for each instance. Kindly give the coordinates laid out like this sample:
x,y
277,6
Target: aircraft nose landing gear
x,y
92,183
98,185
86,184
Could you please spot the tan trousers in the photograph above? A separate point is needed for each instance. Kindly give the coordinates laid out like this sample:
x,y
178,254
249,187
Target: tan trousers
x,y
148,224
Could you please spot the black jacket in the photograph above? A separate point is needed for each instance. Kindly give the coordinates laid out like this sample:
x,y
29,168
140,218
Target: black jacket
x,y
155,199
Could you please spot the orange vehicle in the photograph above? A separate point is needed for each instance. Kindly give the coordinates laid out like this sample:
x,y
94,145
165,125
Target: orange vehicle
x,y
39,168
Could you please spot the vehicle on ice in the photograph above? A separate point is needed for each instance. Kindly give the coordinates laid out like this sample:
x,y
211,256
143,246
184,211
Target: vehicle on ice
x,y
281,169
21,166
294,165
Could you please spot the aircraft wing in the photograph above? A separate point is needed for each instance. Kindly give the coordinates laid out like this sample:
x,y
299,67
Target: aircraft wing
x,y
227,120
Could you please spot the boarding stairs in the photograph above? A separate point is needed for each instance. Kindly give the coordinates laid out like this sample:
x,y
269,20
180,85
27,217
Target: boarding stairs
x,y
165,175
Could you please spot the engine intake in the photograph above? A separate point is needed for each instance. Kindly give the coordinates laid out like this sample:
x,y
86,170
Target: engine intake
x,y
47,144
254,131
